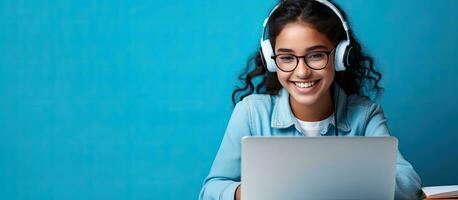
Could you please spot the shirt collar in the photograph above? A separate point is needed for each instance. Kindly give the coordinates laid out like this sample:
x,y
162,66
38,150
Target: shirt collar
x,y
283,117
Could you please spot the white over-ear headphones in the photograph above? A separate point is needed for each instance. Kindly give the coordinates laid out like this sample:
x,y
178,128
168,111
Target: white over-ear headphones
x,y
342,52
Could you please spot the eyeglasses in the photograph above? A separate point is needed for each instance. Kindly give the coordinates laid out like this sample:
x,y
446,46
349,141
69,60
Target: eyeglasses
x,y
315,60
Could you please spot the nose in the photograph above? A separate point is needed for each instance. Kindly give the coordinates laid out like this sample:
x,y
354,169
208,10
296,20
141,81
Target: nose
x,y
302,70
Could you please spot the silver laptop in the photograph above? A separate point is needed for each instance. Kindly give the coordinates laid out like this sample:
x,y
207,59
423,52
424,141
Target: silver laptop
x,y
298,168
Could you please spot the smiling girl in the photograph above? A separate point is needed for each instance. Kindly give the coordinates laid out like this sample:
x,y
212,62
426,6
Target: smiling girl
x,y
310,78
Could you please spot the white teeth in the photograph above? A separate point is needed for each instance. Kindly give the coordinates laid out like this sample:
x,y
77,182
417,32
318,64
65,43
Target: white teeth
x,y
305,85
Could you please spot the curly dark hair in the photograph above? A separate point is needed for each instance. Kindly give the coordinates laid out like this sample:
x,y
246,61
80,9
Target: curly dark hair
x,y
360,77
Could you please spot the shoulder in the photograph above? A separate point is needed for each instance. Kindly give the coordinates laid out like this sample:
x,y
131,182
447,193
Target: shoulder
x,y
361,106
357,102
256,104
258,99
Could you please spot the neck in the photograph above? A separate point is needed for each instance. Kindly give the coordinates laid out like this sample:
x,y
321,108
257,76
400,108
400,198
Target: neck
x,y
316,112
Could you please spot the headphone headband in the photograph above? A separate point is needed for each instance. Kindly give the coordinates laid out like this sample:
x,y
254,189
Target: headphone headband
x,y
337,12
343,49
324,2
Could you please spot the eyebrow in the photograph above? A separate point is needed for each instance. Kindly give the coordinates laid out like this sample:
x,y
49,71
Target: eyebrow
x,y
308,49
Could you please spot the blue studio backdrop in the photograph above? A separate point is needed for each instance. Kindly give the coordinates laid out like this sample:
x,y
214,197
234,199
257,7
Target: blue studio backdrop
x,y
130,99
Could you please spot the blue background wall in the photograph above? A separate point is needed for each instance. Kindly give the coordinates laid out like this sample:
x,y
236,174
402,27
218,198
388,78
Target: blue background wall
x,y
129,100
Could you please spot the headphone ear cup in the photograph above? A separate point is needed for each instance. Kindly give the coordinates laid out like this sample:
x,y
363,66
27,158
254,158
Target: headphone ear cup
x,y
349,56
340,56
267,53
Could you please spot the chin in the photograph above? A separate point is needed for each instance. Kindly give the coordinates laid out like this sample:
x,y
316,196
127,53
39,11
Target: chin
x,y
304,100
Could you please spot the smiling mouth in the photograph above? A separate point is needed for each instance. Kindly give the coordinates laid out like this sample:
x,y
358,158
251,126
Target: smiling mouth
x,y
307,84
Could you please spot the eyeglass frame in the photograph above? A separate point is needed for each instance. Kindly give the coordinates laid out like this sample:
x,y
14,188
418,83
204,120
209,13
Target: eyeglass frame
x,y
274,57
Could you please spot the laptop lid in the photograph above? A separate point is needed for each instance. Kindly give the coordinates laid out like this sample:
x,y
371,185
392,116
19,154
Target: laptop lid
x,y
297,168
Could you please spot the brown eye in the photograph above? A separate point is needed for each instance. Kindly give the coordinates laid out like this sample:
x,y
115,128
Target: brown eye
x,y
286,58
316,56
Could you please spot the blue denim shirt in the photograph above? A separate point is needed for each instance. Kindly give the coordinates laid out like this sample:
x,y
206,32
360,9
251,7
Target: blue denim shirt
x,y
266,115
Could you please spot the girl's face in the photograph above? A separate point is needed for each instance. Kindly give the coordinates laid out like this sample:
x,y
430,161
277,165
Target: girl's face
x,y
307,87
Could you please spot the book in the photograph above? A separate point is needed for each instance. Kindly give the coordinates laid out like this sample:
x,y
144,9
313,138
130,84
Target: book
x,y
441,192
